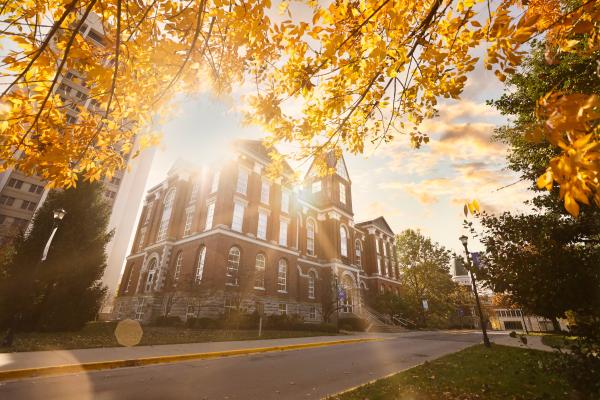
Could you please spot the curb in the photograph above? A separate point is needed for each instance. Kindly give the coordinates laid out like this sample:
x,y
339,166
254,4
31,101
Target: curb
x,y
138,362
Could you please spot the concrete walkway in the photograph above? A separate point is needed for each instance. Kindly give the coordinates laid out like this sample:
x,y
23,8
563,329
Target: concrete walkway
x,y
533,342
40,359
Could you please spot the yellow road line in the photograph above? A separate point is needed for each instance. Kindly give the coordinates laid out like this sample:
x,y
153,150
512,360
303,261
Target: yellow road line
x,y
137,362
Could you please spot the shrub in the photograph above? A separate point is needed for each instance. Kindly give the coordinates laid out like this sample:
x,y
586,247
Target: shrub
x,y
513,334
353,324
167,321
201,323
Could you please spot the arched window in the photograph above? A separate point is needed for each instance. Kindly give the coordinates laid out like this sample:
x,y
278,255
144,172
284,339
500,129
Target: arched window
x,y
348,300
178,265
312,279
259,272
151,275
358,253
166,216
233,266
310,237
282,276
200,266
343,241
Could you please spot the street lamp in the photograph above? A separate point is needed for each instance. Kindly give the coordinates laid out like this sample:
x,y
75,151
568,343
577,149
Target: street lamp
x,y
486,341
58,214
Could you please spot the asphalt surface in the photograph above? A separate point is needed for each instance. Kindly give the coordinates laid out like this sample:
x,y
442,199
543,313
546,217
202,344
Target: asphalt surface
x,y
299,374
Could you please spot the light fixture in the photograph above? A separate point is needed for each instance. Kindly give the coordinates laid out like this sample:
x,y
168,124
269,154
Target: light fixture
x,y
59,214
463,239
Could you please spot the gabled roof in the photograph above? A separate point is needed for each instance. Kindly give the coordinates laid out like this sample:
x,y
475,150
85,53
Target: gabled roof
x,y
339,164
260,151
380,223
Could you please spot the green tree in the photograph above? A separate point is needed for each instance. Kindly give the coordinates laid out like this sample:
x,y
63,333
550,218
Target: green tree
x,y
425,274
548,261
64,291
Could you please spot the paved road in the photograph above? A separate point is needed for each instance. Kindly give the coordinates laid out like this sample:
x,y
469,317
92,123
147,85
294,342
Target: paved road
x,y
302,374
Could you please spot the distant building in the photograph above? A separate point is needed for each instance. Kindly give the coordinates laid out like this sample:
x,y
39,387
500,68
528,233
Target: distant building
x,y
21,195
228,237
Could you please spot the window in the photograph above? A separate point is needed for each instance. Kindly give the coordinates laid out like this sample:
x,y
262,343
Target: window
x,y
377,244
342,193
139,309
215,181
178,265
233,266
115,180
316,186
261,231
96,37
15,183
142,238
282,276
148,212
195,190
385,249
7,200
285,201
340,168
35,188
386,268
259,271
312,313
210,213
28,205
343,242
189,217
282,309
379,265
310,237
200,267
311,284
242,181
151,275
166,216
264,192
358,253
283,231
190,311
238,217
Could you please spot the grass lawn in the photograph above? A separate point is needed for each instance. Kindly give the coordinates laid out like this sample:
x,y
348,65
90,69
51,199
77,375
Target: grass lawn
x,y
558,340
501,372
102,335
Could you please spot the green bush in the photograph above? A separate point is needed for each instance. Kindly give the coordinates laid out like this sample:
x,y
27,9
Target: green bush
x,y
353,324
201,323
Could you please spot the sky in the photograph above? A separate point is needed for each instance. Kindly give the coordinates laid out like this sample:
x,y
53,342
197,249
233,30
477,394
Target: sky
x,y
419,189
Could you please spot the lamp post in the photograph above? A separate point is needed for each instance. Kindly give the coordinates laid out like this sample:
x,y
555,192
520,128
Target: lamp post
x,y
486,340
58,214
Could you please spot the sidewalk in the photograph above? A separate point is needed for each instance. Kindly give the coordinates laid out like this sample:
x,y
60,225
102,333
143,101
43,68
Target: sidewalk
x,y
533,342
54,358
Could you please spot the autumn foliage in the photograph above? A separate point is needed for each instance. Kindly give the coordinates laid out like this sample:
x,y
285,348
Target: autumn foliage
x,y
351,74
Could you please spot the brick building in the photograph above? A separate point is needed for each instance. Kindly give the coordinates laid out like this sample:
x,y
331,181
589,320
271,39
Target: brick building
x,y
229,237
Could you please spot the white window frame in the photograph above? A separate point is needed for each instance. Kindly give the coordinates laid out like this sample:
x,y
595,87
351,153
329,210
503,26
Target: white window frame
x,y
200,266
151,275
342,193
265,191
165,219
142,238
312,313
283,232
189,218
263,221
178,266
283,309
282,270
358,252
312,278
260,266
139,309
214,187
343,241
310,237
242,181
210,215
237,219
233,266
195,190
285,201
316,187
